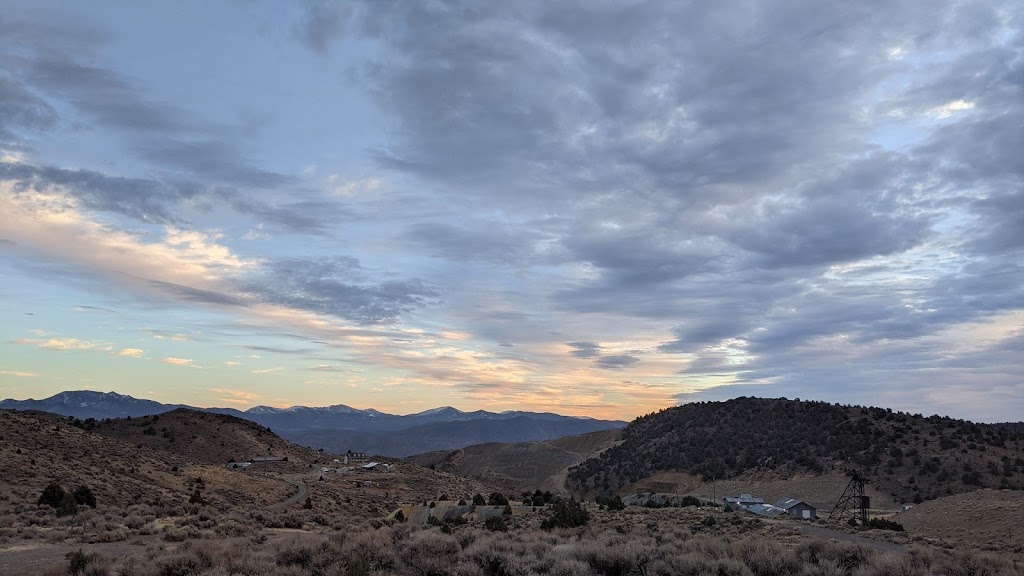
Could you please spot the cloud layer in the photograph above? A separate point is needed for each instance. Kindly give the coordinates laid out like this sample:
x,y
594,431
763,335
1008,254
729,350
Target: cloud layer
x,y
587,204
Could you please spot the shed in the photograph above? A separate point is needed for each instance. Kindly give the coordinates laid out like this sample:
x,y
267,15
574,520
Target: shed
x,y
742,501
797,508
766,510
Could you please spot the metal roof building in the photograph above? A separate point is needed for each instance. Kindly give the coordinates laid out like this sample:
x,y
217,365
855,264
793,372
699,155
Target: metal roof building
x,y
797,508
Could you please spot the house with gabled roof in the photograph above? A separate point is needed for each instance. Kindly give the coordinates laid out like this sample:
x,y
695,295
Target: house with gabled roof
x,y
797,508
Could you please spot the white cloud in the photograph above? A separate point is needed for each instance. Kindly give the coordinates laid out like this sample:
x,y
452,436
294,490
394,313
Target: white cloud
x,y
179,362
131,352
950,108
65,344
18,373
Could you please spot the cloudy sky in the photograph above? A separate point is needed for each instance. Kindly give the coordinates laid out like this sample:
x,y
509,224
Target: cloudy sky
x,y
595,208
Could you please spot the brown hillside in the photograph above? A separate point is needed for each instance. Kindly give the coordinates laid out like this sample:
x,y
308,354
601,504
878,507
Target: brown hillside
x,y
984,519
206,437
521,466
37,448
908,457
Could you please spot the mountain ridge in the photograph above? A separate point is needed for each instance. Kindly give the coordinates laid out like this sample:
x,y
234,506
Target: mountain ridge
x,y
340,427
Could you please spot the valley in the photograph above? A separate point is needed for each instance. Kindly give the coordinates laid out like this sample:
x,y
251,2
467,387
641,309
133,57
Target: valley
x,y
167,502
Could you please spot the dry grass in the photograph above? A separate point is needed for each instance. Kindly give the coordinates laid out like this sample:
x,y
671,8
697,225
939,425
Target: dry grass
x,y
615,546
986,520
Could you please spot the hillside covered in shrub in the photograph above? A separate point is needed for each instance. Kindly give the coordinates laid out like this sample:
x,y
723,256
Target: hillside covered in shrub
x,y
912,457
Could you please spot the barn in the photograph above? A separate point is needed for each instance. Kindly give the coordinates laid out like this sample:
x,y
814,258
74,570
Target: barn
x,y
797,508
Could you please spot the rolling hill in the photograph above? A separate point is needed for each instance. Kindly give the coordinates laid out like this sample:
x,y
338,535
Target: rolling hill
x,y
38,448
520,466
204,437
911,458
159,461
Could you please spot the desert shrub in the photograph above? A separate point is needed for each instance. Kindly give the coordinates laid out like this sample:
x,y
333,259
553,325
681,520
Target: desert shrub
x,y
301,556
700,564
52,495
400,516
884,524
566,514
613,503
690,501
77,562
766,559
430,553
186,563
495,499
479,500
85,497
67,505
373,549
496,524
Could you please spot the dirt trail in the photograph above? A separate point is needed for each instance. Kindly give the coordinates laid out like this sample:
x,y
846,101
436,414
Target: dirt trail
x,y
294,499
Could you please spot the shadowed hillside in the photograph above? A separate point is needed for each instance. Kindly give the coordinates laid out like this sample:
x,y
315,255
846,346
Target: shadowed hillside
x,y
205,437
38,448
521,466
910,457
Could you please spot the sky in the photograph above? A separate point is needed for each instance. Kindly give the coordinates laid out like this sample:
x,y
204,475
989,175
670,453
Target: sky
x,y
597,208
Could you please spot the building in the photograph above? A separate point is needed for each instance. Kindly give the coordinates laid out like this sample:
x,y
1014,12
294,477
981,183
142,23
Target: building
x,y
743,501
355,457
766,510
256,459
239,464
797,508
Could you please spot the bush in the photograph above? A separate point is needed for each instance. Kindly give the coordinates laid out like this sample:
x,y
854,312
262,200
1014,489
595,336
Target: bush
x,y
479,500
883,524
496,524
614,503
77,562
67,506
496,499
52,495
85,497
690,501
400,516
566,514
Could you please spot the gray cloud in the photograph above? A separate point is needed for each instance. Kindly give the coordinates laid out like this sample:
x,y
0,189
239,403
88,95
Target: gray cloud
x,y
21,110
191,294
323,23
616,362
148,200
493,242
584,349
337,286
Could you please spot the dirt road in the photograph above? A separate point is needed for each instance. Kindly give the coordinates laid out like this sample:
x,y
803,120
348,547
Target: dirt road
x,y
294,499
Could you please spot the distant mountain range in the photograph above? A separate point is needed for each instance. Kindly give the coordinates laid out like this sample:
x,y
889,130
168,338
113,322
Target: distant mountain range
x,y
339,428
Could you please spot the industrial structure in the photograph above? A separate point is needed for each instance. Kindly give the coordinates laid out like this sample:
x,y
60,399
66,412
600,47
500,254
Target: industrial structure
x,y
853,503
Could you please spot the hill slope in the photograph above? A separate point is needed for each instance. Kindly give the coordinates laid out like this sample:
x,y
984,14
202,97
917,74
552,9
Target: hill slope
x,y
38,448
520,466
204,437
910,457
447,435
